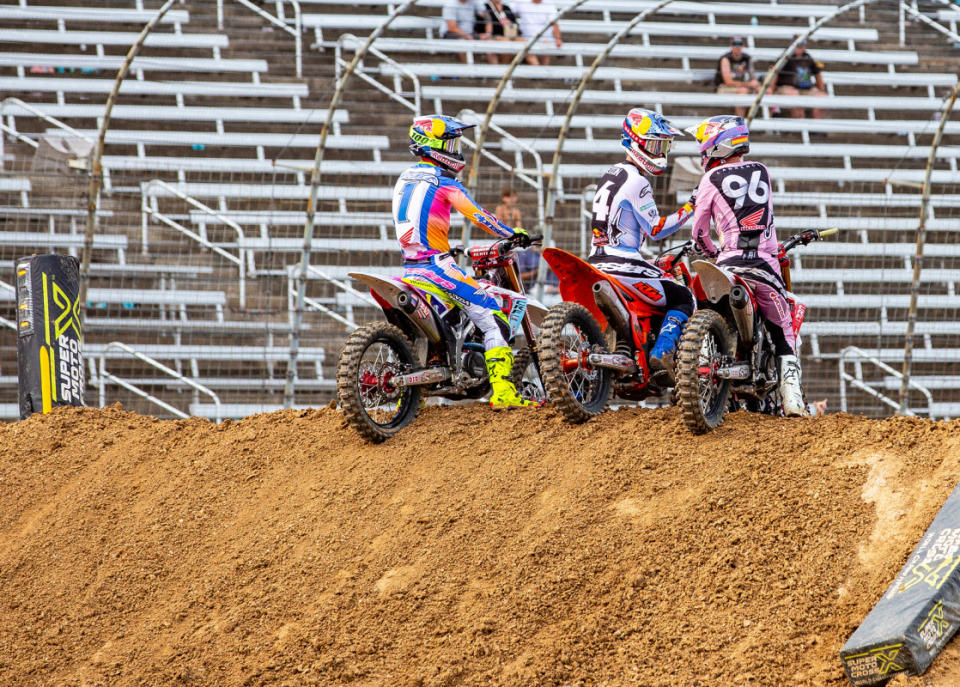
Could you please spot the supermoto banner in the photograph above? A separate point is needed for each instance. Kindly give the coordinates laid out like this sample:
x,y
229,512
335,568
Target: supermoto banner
x,y
918,613
49,359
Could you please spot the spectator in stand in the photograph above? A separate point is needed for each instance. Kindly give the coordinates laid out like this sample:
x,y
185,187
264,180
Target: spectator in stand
x,y
459,20
534,15
801,75
501,25
735,73
507,211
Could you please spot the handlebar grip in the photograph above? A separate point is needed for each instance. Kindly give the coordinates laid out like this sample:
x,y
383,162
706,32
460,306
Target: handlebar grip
x,y
829,232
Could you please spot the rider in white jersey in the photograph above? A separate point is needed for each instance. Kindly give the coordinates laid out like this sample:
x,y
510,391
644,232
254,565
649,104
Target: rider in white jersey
x,y
625,214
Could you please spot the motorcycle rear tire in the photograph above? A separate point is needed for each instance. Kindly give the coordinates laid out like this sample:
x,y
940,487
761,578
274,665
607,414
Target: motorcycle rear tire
x,y
705,329
349,371
571,402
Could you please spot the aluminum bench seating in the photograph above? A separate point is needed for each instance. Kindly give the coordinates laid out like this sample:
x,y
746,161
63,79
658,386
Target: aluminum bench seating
x,y
68,241
180,326
294,218
7,211
868,301
193,355
761,150
609,124
19,185
631,7
320,245
825,329
933,383
870,276
177,299
898,250
213,41
920,354
619,74
278,191
9,411
368,22
780,174
138,87
140,64
178,114
253,139
90,15
133,271
706,101
855,200
227,383
587,51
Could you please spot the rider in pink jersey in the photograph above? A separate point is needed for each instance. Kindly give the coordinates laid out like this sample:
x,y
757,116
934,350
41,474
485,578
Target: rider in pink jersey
x,y
736,195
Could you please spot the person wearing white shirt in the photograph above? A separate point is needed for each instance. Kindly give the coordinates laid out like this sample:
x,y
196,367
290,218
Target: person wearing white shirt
x,y
533,16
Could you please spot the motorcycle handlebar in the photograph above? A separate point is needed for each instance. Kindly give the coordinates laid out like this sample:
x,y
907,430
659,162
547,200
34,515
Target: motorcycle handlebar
x,y
805,237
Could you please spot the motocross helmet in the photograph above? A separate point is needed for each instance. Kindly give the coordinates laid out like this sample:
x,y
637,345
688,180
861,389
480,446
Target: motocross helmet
x,y
719,138
436,139
647,136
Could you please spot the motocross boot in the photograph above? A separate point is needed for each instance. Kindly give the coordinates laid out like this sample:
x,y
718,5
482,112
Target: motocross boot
x,y
504,394
665,348
790,391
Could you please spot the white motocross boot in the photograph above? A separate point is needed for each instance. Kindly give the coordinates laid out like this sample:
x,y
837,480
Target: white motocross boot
x,y
790,392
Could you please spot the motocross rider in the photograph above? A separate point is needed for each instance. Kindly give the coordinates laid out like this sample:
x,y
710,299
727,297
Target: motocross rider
x,y
422,200
624,214
737,196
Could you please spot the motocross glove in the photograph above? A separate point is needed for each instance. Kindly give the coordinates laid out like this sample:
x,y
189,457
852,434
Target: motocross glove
x,y
521,237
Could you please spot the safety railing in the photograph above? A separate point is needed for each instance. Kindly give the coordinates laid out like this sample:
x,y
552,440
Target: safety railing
x,y
149,207
10,126
857,357
104,376
912,10
348,39
345,287
279,21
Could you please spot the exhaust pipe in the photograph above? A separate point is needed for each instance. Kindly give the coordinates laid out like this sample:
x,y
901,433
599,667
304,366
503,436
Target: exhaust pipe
x,y
428,376
742,308
611,307
419,314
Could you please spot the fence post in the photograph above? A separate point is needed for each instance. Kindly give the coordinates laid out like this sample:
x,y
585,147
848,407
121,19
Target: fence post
x,y
288,389
96,166
918,257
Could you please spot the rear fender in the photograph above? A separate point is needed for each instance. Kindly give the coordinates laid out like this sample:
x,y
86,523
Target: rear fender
x,y
714,281
404,306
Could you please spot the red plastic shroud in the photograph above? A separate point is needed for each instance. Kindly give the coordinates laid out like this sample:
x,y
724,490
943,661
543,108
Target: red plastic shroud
x,y
577,278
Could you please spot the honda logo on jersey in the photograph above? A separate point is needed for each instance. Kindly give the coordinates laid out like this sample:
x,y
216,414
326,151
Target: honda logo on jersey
x,y
749,222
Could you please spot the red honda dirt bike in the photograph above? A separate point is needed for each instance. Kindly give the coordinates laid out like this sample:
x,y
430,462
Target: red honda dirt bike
x,y
429,347
726,357
598,341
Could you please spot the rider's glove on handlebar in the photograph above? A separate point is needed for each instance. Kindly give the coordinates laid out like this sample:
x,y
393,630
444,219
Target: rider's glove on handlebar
x,y
521,237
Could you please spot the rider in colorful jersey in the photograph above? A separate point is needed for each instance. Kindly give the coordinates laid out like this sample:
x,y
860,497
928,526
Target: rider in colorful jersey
x,y
625,214
736,195
422,200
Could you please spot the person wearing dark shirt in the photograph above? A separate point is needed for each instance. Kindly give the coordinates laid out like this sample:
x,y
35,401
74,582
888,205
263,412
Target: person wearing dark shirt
x,y
735,73
501,25
801,75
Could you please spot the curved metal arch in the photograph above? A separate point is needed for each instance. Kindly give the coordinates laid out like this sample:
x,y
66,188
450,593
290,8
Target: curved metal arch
x,y
312,202
495,100
96,164
774,71
553,188
918,256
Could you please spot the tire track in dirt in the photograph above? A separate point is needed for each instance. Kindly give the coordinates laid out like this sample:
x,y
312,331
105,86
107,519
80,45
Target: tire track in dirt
x,y
509,549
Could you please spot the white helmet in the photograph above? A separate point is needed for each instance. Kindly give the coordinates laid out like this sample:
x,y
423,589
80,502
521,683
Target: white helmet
x,y
647,136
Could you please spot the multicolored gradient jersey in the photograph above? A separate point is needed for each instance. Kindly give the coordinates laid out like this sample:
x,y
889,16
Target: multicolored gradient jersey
x,y
738,198
422,200
624,213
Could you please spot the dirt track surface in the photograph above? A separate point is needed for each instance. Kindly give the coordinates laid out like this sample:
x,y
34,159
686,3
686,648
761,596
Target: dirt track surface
x,y
472,549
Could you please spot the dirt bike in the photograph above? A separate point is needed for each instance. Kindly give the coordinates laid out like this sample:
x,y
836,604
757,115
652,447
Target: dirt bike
x,y
726,356
598,340
429,347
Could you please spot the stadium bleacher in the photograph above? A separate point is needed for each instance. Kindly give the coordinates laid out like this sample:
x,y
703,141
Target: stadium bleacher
x,y
223,119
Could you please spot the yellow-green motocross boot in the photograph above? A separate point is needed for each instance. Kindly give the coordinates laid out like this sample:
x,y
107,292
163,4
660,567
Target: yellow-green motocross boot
x,y
504,394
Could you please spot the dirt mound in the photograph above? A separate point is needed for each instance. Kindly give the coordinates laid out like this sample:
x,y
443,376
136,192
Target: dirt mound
x,y
472,549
